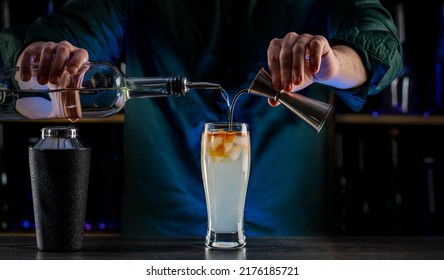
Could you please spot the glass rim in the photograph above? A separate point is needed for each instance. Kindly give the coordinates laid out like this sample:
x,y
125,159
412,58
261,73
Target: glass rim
x,y
225,123
227,126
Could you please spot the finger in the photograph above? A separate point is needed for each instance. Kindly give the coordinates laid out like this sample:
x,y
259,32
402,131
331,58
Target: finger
x,y
78,58
46,58
30,55
316,50
273,53
286,60
299,58
61,56
273,102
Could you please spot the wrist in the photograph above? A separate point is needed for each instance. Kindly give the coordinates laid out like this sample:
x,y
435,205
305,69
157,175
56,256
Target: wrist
x,y
351,72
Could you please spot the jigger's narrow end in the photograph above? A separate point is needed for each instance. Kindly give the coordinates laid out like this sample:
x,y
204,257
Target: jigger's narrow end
x,y
262,85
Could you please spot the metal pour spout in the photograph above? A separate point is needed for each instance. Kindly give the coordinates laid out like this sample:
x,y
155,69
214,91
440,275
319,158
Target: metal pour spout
x,y
312,111
202,85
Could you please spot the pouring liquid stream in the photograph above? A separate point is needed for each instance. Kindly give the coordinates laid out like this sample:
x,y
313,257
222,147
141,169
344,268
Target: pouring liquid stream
x,y
231,105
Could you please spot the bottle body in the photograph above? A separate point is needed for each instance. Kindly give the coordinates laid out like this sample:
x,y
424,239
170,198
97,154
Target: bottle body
x,y
97,90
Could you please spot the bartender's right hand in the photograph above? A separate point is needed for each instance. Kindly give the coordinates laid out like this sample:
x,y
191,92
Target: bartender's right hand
x,y
52,59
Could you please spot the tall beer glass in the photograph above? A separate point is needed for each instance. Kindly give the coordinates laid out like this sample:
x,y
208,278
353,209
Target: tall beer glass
x,y
225,159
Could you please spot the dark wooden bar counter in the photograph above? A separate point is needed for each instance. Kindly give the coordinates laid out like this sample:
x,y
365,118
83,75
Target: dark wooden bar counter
x,y
114,247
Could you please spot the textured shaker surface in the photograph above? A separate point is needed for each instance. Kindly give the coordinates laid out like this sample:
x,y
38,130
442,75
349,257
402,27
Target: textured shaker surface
x,y
59,180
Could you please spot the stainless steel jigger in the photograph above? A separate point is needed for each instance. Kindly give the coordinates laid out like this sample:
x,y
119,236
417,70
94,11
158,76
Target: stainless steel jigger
x,y
312,111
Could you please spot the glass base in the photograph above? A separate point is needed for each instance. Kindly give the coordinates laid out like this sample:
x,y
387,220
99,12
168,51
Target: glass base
x,y
225,240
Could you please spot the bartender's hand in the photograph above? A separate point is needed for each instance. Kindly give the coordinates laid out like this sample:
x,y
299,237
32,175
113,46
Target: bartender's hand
x,y
52,59
297,61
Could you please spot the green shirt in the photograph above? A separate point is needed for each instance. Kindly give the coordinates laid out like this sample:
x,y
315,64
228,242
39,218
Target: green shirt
x,y
224,42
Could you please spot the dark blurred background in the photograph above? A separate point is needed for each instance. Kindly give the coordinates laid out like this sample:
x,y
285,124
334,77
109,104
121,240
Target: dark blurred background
x,y
387,160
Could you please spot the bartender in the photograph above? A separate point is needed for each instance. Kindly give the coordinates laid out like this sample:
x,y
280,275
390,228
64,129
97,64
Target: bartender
x,y
318,48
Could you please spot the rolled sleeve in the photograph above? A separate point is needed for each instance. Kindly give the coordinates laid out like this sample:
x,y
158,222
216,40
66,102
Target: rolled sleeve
x,y
371,31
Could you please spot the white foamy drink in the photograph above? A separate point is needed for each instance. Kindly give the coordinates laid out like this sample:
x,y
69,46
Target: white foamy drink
x,y
225,172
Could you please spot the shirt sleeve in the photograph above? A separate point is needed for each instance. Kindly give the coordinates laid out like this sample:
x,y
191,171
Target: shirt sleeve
x,y
11,42
369,28
93,25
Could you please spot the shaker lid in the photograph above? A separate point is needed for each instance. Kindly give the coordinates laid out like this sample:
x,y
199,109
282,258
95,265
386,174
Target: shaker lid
x,y
60,138
59,131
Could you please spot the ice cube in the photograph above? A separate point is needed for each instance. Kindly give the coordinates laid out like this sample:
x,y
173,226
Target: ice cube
x,y
235,152
241,140
216,141
228,146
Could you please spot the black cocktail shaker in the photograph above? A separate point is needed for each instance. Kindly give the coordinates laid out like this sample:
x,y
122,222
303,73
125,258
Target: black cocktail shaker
x,y
59,167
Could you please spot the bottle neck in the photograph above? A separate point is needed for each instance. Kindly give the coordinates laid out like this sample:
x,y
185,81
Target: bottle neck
x,y
163,86
156,86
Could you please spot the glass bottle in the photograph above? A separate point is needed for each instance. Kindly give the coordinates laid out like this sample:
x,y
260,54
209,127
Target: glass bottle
x,y
97,90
